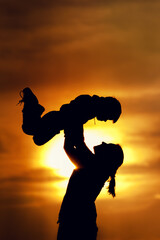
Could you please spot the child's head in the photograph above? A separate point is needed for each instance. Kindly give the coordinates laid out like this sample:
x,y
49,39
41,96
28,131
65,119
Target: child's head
x,y
109,108
109,157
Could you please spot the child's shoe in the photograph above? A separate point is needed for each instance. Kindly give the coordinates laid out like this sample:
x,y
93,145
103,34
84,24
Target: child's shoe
x,y
32,111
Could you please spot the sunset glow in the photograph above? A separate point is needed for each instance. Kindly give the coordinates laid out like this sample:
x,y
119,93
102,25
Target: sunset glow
x,y
53,156
62,49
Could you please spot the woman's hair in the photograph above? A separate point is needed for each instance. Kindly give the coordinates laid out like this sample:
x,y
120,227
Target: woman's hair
x,y
109,158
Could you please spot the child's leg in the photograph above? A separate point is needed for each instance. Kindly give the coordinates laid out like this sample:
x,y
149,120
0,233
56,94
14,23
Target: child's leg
x,y
49,125
41,128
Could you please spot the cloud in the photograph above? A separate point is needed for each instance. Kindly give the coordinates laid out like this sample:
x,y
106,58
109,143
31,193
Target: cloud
x,y
33,176
152,166
10,141
144,104
29,222
130,224
108,46
31,188
152,135
2,147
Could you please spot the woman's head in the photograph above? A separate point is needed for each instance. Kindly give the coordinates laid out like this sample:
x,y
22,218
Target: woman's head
x,y
109,157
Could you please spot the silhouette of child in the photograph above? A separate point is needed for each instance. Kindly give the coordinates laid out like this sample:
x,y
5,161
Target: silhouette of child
x,y
71,116
77,217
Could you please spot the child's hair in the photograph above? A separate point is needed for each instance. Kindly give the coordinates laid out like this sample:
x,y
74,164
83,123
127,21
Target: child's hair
x,y
110,157
109,108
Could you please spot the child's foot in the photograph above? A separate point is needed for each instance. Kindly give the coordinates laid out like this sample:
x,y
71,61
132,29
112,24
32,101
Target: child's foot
x,y
32,111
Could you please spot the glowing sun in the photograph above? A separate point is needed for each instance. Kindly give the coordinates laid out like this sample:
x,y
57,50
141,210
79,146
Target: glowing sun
x,y
53,155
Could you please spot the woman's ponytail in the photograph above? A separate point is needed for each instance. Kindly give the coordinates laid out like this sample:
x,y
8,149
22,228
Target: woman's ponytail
x,y
111,188
109,157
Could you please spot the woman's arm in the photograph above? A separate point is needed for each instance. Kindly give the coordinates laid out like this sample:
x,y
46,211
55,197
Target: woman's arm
x,y
76,149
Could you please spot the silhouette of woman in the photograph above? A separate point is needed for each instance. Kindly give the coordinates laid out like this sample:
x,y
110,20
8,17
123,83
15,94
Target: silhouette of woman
x,y
77,216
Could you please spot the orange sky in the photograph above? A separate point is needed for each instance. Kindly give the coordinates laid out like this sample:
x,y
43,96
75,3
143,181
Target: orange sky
x,y
62,49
